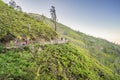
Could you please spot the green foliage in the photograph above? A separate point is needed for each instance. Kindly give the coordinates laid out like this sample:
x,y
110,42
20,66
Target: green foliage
x,y
54,62
61,62
1,48
16,23
64,62
103,51
15,65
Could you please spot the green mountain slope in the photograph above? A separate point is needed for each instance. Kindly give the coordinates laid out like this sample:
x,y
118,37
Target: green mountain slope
x,y
44,62
105,52
54,62
20,24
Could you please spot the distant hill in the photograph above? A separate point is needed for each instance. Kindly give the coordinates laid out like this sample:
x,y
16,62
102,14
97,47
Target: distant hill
x,y
66,61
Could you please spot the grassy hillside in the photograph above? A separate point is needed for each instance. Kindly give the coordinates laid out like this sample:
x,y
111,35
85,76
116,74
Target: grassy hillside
x,y
20,24
105,52
54,62
68,61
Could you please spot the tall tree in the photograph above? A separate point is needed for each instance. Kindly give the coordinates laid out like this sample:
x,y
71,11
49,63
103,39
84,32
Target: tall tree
x,y
53,16
12,3
18,8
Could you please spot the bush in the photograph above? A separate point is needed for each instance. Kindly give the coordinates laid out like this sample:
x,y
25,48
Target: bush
x,y
1,48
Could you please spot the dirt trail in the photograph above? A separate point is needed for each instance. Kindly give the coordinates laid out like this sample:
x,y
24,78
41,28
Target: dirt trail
x,y
56,41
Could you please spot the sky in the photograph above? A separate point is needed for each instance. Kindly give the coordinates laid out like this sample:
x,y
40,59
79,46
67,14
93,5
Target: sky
x,y
99,18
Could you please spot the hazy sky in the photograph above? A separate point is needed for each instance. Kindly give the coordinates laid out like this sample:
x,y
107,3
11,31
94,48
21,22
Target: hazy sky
x,y
100,18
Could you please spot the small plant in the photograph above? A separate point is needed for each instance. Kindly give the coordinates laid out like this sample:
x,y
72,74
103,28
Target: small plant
x,y
1,48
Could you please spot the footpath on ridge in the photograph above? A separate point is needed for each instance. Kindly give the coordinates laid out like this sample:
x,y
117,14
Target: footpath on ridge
x,y
56,41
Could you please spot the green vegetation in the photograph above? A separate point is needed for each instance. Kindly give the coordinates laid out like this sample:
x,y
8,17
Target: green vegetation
x,y
105,52
84,58
15,65
62,62
19,23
